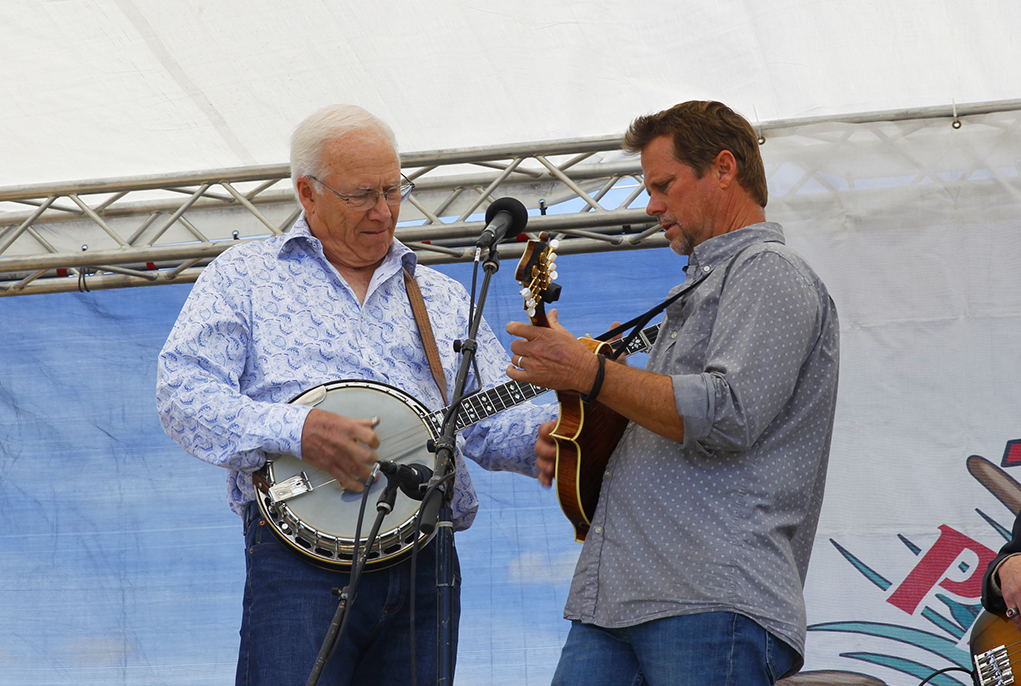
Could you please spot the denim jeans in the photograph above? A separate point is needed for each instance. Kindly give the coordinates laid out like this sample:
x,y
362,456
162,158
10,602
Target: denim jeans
x,y
289,605
709,649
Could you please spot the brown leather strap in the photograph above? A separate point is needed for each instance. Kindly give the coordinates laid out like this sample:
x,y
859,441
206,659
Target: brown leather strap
x,y
425,330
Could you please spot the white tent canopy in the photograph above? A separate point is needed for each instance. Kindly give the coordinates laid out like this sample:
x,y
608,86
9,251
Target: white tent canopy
x,y
116,88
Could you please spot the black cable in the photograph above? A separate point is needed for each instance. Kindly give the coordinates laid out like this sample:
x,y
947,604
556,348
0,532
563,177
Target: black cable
x,y
471,298
471,318
356,570
944,671
347,595
456,402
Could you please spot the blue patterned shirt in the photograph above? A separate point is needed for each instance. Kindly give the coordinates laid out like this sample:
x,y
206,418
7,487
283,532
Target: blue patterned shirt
x,y
268,320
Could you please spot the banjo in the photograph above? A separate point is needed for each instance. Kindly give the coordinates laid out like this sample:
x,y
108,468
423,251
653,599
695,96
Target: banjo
x,y
312,513
315,516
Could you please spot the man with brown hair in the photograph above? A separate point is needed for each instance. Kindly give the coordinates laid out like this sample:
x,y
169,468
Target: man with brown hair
x,y
693,568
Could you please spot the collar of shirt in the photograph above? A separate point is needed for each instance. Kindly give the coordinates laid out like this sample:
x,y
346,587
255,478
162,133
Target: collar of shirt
x,y
719,249
398,256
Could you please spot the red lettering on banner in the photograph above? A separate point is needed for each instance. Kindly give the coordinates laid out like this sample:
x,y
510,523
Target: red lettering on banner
x,y
1012,454
932,568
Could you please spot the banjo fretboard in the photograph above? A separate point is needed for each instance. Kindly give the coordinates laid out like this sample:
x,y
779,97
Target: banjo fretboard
x,y
485,404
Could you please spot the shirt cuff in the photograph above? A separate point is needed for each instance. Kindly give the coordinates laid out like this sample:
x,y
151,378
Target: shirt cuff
x,y
282,431
694,404
994,580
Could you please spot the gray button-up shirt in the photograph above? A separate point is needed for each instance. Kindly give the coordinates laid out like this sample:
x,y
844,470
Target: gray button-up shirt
x,y
725,520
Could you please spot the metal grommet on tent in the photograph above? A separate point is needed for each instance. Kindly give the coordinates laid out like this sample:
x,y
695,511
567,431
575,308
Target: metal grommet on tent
x,y
83,272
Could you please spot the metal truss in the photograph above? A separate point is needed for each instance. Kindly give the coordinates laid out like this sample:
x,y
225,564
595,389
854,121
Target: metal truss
x,y
119,233
154,230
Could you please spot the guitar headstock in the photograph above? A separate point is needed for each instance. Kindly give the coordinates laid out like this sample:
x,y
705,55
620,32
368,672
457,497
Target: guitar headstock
x,y
536,272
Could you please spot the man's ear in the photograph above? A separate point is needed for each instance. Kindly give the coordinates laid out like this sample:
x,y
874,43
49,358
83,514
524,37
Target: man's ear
x,y
306,193
725,168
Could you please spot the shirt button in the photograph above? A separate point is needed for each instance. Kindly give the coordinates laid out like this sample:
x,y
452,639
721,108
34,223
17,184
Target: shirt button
x,y
606,474
598,529
673,335
707,268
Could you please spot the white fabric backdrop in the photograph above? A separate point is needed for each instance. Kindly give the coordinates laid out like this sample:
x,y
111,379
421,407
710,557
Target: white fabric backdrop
x,y
916,229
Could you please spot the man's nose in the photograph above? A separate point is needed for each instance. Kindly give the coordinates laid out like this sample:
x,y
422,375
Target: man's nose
x,y
655,207
381,206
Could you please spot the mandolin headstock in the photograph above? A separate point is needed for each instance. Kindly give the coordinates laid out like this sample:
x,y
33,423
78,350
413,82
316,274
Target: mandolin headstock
x,y
536,272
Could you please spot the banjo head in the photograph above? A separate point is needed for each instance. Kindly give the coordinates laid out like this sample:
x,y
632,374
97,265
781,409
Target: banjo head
x,y
320,524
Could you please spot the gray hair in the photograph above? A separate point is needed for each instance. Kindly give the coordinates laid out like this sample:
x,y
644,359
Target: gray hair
x,y
329,123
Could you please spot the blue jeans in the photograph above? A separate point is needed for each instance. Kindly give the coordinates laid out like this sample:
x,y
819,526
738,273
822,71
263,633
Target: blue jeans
x,y
289,605
718,648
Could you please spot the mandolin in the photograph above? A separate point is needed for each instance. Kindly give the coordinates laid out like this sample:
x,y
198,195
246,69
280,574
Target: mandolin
x,y
586,434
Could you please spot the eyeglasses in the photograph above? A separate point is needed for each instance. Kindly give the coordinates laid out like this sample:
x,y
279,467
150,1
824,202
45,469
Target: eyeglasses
x,y
367,199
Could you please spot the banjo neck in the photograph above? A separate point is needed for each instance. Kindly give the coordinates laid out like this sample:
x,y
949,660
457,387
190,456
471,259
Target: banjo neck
x,y
487,403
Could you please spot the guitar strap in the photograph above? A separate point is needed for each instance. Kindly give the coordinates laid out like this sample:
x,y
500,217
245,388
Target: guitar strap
x,y
638,322
425,330
641,320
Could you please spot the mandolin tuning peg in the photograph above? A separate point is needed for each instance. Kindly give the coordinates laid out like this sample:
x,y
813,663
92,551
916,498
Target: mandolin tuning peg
x,y
531,312
553,276
554,244
530,303
525,292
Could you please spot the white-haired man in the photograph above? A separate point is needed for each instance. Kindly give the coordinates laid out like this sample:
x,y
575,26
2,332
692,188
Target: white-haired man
x,y
268,320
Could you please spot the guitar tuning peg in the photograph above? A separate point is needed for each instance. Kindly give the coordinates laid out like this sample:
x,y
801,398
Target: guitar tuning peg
x,y
531,312
554,244
530,303
553,276
525,292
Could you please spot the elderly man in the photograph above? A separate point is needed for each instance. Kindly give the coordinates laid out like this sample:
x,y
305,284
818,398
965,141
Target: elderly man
x,y
329,300
693,568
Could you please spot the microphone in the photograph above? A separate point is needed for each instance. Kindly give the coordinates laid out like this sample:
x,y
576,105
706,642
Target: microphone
x,y
413,479
505,216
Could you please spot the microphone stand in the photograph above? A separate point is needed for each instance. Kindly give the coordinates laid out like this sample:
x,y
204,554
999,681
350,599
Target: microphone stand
x,y
436,511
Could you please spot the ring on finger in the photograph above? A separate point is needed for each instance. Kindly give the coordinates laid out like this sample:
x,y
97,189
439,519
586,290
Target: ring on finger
x,y
1011,611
